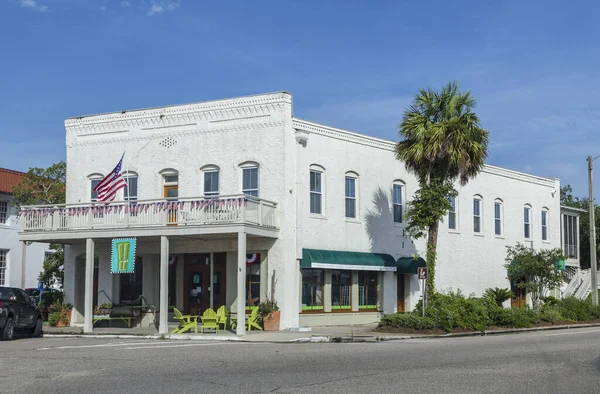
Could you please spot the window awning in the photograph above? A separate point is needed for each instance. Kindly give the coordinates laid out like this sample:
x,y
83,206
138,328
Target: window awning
x,y
409,265
333,259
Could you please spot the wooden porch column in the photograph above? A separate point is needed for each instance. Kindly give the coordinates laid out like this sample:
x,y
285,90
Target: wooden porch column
x,y
88,308
23,263
163,326
241,285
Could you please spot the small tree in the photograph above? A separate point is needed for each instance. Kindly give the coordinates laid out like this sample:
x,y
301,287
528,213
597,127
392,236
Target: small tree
x,y
42,186
52,273
534,271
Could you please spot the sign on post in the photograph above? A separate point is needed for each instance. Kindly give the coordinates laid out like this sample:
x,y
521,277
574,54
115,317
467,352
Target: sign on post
x,y
422,272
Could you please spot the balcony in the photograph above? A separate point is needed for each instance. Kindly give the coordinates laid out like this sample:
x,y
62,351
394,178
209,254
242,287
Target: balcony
x,y
148,217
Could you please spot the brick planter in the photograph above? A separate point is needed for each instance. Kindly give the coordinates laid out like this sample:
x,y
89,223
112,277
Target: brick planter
x,y
271,322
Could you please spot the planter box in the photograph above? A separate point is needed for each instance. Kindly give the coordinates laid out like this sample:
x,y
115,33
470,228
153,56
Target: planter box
x,y
271,322
68,323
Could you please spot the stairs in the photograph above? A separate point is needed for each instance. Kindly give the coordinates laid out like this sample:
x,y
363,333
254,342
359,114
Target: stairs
x,y
580,285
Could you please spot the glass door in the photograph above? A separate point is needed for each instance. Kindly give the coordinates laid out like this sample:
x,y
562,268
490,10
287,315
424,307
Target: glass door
x,y
196,292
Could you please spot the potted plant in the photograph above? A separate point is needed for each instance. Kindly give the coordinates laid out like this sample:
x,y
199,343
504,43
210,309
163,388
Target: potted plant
x,y
59,314
269,314
103,309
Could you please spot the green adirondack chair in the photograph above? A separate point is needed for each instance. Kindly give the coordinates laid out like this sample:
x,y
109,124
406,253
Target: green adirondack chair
x,y
186,322
209,320
222,316
253,320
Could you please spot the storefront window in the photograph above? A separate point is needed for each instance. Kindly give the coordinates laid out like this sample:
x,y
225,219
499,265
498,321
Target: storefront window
x,y
341,291
312,290
131,284
253,285
367,290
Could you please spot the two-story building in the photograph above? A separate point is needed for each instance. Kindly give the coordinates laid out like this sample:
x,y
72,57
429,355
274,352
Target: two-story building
x,y
11,250
233,201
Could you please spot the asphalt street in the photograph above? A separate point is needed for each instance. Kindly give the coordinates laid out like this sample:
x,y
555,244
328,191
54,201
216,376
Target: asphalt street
x,y
566,361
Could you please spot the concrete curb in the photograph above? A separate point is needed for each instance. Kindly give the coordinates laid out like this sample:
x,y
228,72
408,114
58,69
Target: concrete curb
x,y
321,339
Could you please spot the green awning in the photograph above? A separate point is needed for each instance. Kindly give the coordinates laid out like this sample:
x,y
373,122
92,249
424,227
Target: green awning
x,y
334,259
409,265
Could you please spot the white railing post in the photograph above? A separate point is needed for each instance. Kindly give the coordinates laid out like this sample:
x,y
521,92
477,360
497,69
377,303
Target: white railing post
x,y
260,219
126,209
244,206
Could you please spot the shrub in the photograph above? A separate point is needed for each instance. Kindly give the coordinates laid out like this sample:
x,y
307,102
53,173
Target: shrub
x,y
53,318
550,300
498,295
578,310
265,308
550,313
408,320
454,310
517,317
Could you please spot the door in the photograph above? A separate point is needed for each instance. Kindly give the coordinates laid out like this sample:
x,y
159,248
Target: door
x,y
400,293
520,296
196,299
198,282
171,193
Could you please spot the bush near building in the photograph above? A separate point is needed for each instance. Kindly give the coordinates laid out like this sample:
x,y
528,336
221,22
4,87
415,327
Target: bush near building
x,y
454,311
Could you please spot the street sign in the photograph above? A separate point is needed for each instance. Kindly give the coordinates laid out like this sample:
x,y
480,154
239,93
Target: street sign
x,y
422,272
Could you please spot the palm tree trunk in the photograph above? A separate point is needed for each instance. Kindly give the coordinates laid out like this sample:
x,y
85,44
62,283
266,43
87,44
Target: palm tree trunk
x,y
432,239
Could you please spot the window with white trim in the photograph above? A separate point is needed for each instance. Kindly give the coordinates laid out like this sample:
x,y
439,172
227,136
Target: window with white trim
x,y
3,254
350,195
527,222
477,222
498,217
130,192
398,201
211,183
94,181
544,224
3,212
316,191
250,181
452,213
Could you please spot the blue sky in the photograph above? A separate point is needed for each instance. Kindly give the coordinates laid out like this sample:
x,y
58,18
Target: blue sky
x,y
533,66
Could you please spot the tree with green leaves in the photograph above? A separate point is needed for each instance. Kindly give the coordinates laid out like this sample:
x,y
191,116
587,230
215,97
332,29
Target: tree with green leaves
x,y
52,272
567,199
534,270
42,186
442,141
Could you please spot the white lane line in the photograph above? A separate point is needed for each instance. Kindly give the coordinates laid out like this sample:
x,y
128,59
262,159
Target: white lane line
x,y
575,332
101,345
170,346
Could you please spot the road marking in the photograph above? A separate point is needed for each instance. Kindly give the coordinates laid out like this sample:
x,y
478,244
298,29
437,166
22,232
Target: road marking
x,y
101,345
171,346
575,332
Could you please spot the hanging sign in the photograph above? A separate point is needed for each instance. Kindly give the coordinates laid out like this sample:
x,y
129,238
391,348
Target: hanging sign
x,y
123,255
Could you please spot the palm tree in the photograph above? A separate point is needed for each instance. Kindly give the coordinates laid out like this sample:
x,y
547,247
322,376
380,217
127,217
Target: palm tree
x,y
441,142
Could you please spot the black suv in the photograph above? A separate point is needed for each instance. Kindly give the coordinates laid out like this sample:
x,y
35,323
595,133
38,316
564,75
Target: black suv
x,y
18,312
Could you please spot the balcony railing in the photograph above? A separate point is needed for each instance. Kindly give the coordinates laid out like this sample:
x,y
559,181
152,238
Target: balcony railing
x,y
150,213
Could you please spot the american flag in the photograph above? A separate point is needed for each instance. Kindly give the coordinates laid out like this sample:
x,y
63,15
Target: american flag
x,y
112,182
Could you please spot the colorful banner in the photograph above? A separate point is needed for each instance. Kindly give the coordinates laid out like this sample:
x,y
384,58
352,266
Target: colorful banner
x,y
123,255
252,258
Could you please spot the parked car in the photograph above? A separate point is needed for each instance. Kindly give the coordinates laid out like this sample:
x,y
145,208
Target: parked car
x,y
18,312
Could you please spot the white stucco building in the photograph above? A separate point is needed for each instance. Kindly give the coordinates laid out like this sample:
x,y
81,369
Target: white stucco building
x,y
11,250
268,205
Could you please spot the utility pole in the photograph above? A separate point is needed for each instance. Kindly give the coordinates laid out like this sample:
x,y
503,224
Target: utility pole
x,y
593,262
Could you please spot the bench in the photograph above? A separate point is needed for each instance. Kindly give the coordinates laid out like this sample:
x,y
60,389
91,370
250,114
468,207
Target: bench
x,y
124,313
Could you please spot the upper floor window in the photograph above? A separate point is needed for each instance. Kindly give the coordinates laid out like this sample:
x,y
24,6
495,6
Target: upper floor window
x,y
130,192
94,181
3,211
498,217
170,183
527,221
398,201
250,181
544,224
211,181
477,225
316,191
452,213
570,236
350,194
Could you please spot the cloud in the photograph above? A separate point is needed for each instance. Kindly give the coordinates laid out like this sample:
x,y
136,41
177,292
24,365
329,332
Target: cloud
x,y
155,9
172,6
159,8
126,4
33,5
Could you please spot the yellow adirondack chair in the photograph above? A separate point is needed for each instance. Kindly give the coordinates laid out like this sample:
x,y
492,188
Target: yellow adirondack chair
x,y
251,321
209,320
186,322
222,316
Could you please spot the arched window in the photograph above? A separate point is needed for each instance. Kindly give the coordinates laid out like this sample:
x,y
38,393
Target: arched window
x,y
477,214
317,189
94,181
351,196
250,178
498,217
527,221
211,180
130,193
544,224
398,190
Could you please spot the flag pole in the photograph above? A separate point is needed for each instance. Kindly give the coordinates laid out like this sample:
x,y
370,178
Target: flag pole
x,y
127,182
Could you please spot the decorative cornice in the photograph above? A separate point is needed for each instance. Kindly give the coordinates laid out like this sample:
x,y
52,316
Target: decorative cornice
x,y
189,131
387,145
212,111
